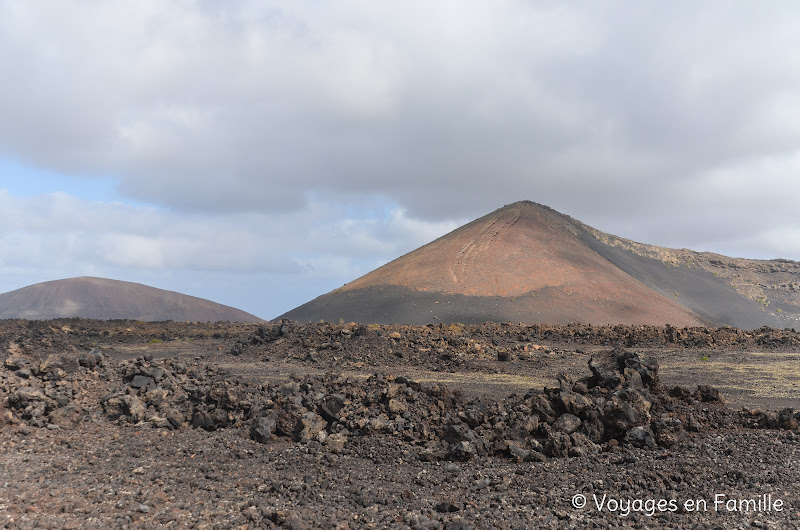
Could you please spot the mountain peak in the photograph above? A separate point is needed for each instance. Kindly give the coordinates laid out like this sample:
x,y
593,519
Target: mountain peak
x,y
526,262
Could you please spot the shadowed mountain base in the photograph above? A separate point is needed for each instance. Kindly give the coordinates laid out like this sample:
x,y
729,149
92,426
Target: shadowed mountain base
x,y
698,290
392,304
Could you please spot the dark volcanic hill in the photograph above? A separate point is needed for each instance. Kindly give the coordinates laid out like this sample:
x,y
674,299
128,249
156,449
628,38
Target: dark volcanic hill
x,y
105,299
528,263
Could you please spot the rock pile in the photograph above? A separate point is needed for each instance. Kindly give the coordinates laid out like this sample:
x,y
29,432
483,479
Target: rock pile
x,y
41,392
456,346
620,404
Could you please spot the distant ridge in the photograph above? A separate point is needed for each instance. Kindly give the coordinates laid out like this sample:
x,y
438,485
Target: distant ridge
x,y
100,298
528,263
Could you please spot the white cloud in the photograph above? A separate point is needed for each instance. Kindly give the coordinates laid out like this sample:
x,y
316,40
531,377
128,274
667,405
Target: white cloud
x,y
149,238
57,235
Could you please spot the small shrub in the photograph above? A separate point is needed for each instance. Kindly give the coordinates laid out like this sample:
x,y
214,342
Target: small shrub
x,y
155,341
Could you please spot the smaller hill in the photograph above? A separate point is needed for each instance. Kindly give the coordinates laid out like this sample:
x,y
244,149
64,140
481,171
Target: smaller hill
x,y
104,299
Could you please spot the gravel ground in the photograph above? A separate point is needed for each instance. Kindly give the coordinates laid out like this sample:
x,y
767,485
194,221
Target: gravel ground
x,y
109,476
98,432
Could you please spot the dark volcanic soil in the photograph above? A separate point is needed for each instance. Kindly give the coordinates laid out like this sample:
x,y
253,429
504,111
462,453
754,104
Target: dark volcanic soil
x,y
127,424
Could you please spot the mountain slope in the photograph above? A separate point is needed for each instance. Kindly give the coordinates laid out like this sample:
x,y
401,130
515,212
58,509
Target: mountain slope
x,y
744,293
100,298
528,263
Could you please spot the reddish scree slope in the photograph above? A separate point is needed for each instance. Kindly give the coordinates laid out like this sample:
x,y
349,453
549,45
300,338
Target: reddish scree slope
x,y
106,299
529,259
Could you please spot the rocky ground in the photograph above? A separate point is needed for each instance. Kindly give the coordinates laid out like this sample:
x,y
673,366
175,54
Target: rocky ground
x,y
124,424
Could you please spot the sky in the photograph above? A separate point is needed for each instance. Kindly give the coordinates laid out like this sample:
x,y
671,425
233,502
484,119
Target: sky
x,y
261,153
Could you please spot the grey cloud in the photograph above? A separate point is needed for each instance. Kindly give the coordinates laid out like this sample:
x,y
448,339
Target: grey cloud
x,y
57,235
613,112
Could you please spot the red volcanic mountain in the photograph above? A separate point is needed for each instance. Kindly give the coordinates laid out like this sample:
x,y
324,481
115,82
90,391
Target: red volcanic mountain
x,y
528,263
105,299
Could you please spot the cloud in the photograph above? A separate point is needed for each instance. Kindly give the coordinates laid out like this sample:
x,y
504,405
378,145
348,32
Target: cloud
x,y
137,237
305,140
247,106
57,235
